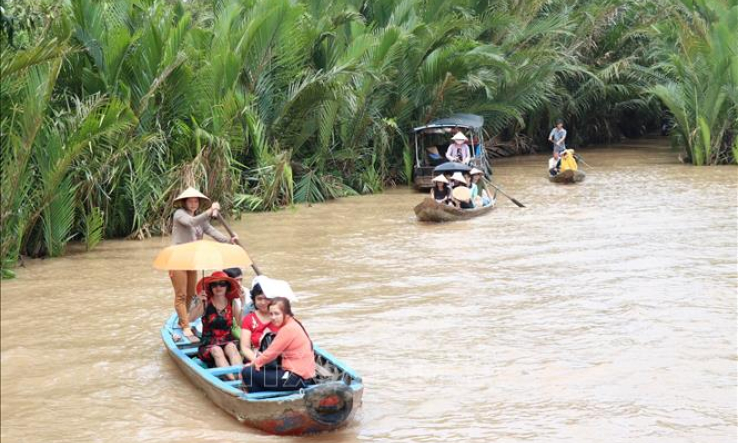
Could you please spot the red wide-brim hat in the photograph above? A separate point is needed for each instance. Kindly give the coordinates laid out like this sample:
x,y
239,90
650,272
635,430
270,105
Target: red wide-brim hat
x,y
204,284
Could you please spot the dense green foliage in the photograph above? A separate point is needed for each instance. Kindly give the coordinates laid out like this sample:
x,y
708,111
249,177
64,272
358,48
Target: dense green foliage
x,y
110,107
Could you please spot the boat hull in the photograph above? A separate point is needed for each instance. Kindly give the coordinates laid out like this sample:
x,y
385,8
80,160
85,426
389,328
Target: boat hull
x,y
280,413
431,211
568,176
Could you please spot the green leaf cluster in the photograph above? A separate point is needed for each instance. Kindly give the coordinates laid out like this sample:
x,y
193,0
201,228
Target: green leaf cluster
x,y
108,108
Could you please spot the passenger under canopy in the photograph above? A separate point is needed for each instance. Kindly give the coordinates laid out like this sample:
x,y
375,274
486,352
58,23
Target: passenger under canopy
x,y
432,141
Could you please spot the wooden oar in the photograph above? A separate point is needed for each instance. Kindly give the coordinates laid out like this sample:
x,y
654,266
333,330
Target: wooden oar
x,y
520,205
238,242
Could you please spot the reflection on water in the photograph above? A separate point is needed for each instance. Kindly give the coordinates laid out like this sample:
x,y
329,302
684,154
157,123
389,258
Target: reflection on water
x,y
601,312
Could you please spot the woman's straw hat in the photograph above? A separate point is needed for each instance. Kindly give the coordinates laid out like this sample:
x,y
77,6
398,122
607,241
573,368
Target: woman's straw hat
x,y
440,178
458,177
476,171
192,192
459,137
462,193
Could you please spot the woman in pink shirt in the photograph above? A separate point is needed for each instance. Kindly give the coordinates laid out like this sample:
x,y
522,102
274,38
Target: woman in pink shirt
x,y
293,344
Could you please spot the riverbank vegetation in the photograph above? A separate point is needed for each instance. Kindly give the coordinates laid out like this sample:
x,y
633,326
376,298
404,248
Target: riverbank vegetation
x,y
110,107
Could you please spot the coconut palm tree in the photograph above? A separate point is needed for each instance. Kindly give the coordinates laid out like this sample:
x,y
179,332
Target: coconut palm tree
x,y
700,60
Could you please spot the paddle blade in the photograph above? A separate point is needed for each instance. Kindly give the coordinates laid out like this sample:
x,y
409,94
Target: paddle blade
x,y
520,205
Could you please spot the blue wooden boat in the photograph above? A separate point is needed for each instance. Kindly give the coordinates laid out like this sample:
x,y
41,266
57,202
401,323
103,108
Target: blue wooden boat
x,y
329,404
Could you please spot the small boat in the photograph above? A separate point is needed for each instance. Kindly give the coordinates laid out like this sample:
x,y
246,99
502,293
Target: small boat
x,y
568,176
431,211
432,140
327,405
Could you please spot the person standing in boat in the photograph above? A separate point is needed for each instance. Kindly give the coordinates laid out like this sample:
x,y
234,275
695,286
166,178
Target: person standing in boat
x,y
558,138
458,151
293,344
441,192
218,346
258,322
188,226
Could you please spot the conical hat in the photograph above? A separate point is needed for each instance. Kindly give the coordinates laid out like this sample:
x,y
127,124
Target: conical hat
x,y
476,171
440,178
192,192
462,193
459,136
458,177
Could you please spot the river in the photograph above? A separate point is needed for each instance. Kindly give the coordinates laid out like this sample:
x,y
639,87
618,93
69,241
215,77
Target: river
x,y
602,312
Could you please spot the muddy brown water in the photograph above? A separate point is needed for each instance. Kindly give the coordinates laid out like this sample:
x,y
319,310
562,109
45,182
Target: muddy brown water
x,y
604,311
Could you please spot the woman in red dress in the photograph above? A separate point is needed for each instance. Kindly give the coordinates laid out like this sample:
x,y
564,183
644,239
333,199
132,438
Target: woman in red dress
x,y
218,344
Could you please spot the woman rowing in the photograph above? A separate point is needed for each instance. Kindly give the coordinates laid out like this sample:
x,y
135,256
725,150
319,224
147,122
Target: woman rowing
x,y
189,226
460,182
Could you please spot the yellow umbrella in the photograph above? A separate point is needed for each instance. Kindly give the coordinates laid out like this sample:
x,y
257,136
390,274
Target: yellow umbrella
x,y
202,254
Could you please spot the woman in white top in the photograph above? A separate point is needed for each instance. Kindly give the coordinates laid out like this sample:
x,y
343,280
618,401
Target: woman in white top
x,y
458,151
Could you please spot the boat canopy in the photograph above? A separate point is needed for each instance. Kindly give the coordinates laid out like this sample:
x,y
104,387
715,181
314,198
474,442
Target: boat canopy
x,y
456,120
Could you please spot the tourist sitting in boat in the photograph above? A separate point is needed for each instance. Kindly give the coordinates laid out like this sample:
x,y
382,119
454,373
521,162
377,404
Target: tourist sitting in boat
x,y
241,306
568,161
258,322
457,179
218,345
441,192
458,151
188,226
238,312
462,197
479,195
293,344
449,180
467,178
459,182
477,147
553,166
